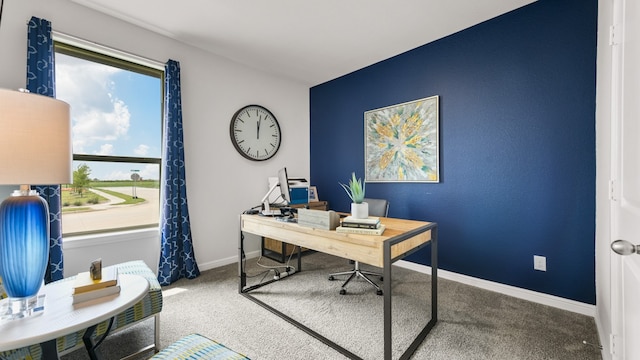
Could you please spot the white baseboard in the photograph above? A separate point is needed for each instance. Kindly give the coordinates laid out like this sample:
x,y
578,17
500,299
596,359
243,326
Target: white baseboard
x,y
540,298
226,261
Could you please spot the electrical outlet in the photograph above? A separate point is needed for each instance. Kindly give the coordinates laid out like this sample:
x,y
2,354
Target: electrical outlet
x,y
539,263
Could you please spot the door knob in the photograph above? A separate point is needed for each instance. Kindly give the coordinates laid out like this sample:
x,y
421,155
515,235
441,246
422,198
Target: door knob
x,y
623,247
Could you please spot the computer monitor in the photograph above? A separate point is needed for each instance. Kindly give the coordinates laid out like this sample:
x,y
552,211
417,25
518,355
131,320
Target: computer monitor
x,y
283,183
283,180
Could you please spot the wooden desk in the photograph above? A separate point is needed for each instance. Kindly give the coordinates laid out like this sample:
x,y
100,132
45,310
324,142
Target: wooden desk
x,y
60,317
401,238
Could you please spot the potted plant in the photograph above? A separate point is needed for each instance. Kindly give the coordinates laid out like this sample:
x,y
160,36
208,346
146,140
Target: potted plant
x,y
355,190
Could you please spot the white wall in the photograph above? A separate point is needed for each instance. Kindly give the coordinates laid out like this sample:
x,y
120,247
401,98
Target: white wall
x,y
220,182
79,252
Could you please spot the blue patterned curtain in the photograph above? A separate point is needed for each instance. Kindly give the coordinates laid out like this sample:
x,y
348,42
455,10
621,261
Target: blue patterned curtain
x,y
41,80
177,259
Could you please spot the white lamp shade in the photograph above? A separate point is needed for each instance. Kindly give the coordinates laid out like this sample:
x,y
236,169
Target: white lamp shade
x,y
35,139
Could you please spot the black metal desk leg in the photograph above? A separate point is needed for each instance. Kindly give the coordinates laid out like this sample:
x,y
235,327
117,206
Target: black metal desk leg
x,y
387,300
434,274
299,259
434,298
241,273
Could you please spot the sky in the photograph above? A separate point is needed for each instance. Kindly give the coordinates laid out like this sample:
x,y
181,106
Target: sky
x,y
113,112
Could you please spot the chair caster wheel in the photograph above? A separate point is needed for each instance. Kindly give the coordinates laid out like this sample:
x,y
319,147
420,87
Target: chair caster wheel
x,y
331,278
378,292
343,292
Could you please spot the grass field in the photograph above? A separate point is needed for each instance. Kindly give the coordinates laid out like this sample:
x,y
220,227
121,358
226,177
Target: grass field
x,y
73,202
153,184
127,198
70,198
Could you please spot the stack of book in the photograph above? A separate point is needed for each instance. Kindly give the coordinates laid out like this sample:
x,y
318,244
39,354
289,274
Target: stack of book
x,y
368,226
85,288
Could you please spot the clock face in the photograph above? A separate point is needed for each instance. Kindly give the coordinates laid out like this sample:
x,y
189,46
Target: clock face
x,y
255,133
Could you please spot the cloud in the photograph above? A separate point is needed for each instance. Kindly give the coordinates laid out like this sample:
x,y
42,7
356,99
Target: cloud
x,y
84,83
97,116
141,150
105,149
150,172
119,175
95,126
147,172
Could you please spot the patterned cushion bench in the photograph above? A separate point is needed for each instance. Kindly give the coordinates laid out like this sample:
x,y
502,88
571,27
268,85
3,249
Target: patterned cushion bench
x,y
150,305
196,346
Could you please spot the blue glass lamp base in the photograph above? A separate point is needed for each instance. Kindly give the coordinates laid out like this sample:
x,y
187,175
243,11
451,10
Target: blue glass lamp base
x,y
24,253
19,308
24,243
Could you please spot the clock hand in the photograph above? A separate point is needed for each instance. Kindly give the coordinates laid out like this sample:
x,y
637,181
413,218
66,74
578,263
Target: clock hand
x,y
258,132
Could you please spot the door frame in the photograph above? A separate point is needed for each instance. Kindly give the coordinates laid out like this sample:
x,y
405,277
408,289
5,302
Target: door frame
x,y
604,175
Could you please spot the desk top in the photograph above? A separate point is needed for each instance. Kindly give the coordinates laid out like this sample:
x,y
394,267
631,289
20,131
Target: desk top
x,y
61,317
404,235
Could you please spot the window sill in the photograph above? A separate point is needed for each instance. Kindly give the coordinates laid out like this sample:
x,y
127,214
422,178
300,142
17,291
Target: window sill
x,y
80,241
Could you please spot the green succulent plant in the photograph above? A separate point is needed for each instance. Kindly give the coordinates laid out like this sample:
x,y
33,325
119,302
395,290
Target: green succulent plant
x,y
355,189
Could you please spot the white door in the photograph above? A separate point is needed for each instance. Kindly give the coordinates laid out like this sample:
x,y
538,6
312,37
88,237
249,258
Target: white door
x,y
625,210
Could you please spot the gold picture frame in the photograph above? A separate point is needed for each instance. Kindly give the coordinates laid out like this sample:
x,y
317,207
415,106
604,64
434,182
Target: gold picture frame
x,y
402,142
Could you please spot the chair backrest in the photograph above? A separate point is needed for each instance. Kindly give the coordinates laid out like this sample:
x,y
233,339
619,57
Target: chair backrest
x,y
378,207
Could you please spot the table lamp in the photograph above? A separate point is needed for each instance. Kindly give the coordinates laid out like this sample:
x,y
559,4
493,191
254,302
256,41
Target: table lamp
x,y
35,148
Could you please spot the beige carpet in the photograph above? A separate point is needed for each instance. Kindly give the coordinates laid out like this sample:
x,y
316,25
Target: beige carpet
x,y
473,323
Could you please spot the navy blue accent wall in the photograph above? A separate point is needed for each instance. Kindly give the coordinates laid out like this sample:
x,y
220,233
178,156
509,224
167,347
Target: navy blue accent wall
x,y
517,145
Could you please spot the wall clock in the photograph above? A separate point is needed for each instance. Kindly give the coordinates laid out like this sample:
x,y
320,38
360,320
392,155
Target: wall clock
x,y
255,133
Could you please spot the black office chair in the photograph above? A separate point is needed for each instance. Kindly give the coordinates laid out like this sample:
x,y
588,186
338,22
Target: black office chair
x,y
377,207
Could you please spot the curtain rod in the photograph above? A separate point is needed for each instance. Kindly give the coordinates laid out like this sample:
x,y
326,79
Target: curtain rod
x,y
93,46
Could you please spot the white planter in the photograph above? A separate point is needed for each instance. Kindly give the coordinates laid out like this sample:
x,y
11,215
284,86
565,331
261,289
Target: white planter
x,y
360,211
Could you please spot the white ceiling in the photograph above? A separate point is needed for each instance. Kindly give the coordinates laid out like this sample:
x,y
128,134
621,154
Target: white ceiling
x,y
311,41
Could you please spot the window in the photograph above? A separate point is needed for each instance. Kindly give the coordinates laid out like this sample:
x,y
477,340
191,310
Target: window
x,y
116,114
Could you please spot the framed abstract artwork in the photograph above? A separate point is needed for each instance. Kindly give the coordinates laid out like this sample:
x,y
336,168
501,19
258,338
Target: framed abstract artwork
x,y
402,142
